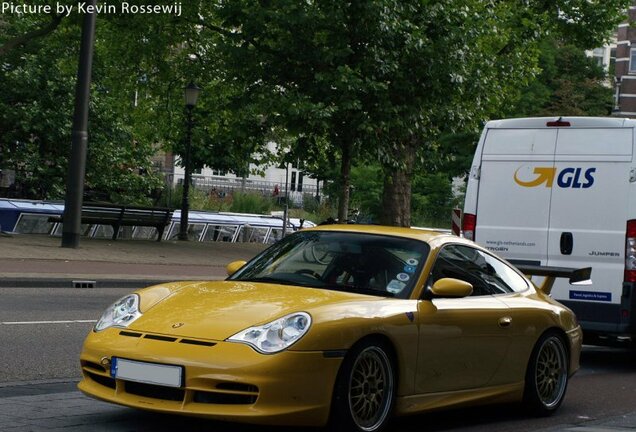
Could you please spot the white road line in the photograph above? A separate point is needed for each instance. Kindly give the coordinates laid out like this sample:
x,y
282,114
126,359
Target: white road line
x,y
47,322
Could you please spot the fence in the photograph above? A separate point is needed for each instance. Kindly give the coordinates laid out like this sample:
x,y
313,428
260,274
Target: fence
x,y
228,185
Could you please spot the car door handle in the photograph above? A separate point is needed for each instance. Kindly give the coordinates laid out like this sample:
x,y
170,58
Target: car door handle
x,y
505,322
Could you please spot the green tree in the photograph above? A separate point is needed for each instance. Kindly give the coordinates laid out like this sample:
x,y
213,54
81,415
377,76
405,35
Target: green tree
x,y
384,79
22,31
570,83
366,182
343,84
312,59
36,106
432,200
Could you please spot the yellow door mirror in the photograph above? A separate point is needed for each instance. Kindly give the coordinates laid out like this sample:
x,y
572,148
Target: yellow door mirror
x,y
234,266
450,287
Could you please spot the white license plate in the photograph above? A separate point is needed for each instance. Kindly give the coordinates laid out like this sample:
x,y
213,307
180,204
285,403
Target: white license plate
x,y
149,373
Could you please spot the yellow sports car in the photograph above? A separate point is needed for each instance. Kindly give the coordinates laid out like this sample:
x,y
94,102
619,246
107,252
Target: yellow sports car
x,y
341,323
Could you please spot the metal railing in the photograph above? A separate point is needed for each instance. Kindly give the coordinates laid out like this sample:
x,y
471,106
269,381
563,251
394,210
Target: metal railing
x,y
228,185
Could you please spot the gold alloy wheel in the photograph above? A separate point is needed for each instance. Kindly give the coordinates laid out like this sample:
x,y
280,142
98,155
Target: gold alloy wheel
x,y
371,389
551,372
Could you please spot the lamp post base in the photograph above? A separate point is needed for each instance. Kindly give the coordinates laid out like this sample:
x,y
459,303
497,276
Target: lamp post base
x,y
70,240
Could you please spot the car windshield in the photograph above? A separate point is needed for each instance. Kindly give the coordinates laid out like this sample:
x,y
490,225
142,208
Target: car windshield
x,y
344,261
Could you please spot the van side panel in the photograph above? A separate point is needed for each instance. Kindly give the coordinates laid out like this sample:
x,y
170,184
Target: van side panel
x,y
511,216
588,215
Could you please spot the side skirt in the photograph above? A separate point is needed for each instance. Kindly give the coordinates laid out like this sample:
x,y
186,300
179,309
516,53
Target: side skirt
x,y
432,401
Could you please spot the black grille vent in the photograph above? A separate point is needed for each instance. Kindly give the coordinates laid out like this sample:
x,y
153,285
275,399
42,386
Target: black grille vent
x,y
196,342
129,334
224,398
154,391
162,338
100,379
91,365
237,387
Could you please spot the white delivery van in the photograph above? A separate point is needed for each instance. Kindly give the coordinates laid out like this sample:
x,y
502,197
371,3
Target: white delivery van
x,y
562,192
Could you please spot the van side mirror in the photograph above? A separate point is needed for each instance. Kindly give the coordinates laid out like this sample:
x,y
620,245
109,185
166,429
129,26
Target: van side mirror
x,y
451,288
234,266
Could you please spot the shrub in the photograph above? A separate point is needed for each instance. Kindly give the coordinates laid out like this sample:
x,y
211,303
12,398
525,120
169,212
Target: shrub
x,y
245,202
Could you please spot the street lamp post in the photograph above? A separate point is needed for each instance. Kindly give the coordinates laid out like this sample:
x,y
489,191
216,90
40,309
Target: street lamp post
x,y
191,94
286,210
77,163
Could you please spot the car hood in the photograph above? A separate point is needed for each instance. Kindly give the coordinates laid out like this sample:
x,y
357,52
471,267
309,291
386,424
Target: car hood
x,y
218,310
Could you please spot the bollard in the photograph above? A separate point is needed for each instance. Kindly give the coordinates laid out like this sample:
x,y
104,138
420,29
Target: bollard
x,y
456,217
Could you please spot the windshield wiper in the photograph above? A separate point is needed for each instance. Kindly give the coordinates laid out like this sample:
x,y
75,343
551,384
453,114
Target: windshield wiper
x,y
268,279
285,281
360,290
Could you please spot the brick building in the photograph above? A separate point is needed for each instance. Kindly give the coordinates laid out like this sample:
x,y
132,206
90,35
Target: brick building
x,y
625,67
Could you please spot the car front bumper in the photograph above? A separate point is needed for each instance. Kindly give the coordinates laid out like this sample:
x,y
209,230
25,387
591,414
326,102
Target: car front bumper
x,y
226,381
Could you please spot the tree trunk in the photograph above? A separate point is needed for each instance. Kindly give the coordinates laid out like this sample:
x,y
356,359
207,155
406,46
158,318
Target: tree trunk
x,y
345,178
396,197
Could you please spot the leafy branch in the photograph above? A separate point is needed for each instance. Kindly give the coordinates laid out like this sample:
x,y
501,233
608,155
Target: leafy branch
x,y
24,39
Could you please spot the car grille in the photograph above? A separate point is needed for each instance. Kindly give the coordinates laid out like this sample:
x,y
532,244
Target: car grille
x,y
219,393
103,380
154,391
163,338
224,398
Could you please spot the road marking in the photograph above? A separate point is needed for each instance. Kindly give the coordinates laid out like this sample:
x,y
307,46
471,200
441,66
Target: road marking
x,y
47,322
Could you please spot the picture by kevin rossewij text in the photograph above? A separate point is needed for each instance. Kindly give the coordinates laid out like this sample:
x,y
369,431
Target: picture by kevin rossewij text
x,y
63,8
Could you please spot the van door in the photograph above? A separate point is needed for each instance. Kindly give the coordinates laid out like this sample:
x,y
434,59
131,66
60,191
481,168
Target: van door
x,y
514,192
588,220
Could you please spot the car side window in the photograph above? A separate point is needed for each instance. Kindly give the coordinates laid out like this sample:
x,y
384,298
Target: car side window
x,y
487,274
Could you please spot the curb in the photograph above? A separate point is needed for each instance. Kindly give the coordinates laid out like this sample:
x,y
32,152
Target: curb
x,y
38,388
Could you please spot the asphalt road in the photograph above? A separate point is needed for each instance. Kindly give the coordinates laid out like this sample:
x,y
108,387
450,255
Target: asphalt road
x,y
41,332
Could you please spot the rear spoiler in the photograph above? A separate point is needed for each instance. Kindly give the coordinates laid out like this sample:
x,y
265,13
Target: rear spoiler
x,y
576,276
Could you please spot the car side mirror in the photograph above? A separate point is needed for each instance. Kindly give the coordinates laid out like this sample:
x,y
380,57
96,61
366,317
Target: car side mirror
x,y
234,266
451,288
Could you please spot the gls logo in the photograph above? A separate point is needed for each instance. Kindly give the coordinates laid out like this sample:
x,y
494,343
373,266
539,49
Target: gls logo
x,y
573,178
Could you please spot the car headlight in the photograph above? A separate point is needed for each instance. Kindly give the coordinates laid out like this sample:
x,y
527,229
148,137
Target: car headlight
x,y
275,336
120,314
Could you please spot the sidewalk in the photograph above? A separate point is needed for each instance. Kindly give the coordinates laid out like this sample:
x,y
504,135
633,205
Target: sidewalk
x,y
31,260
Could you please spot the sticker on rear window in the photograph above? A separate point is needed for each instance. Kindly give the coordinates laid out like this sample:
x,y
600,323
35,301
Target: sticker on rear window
x,y
409,269
395,286
412,262
403,277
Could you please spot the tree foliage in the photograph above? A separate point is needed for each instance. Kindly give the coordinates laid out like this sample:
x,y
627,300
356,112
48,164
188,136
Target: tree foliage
x,y
399,85
570,83
384,80
37,86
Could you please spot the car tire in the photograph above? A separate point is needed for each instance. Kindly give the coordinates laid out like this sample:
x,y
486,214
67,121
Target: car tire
x,y
547,375
365,389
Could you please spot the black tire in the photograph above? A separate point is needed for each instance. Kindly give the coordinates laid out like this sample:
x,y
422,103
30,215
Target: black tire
x,y
547,375
365,389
